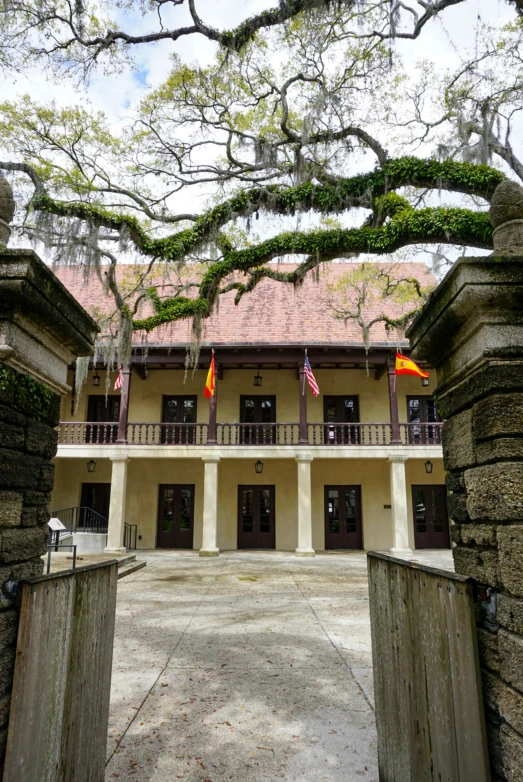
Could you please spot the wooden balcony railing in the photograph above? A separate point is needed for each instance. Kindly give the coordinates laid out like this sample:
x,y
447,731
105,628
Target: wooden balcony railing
x,y
92,433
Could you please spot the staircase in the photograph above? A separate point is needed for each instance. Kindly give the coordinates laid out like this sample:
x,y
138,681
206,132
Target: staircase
x,y
128,565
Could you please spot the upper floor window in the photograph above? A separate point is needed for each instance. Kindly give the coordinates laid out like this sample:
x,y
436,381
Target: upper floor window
x,y
104,410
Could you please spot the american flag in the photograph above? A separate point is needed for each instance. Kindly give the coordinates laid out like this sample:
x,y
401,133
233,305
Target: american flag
x,y
310,377
119,380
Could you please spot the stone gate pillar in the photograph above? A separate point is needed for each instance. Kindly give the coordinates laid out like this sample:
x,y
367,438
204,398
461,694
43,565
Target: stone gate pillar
x,y
42,330
471,331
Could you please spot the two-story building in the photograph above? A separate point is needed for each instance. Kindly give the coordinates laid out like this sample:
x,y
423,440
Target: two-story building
x,y
263,464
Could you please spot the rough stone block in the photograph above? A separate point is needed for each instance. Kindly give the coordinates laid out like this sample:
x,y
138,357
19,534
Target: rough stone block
x,y
512,748
495,492
455,533
457,507
41,440
11,416
480,534
7,664
502,449
510,613
11,436
8,628
498,415
511,658
19,571
10,508
46,480
17,545
5,704
42,498
455,482
481,564
492,687
28,518
488,649
458,443
19,471
510,543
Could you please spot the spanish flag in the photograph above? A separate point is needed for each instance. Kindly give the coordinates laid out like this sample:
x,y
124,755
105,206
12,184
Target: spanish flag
x,y
406,366
209,385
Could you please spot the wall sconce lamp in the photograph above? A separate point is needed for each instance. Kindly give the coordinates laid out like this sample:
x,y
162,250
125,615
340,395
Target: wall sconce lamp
x,y
258,467
96,379
91,465
424,381
428,467
258,379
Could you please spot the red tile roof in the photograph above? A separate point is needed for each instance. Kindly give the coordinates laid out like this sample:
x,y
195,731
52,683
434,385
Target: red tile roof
x,y
273,313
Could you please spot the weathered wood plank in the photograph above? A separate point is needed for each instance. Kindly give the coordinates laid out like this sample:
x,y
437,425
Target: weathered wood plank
x,y
60,703
429,707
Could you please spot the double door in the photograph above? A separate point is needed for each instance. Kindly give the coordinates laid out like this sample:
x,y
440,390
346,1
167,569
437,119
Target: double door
x,y
180,411
431,523
343,517
175,516
339,412
421,412
94,506
106,411
256,520
257,413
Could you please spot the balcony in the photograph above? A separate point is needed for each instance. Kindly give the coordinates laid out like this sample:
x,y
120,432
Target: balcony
x,y
234,434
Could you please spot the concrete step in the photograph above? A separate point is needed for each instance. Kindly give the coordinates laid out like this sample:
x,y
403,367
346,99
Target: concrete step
x,y
123,561
130,568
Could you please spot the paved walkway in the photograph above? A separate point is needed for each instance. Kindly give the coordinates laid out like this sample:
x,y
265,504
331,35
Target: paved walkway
x,y
252,666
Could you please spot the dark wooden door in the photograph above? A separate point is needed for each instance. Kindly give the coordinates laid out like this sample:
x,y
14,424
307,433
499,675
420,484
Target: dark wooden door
x,y
181,411
95,497
431,523
175,516
341,410
256,410
343,517
107,411
422,411
256,518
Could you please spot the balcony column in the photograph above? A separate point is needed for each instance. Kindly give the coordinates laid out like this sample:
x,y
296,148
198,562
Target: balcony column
x,y
213,403
393,401
400,517
304,507
124,406
210,507
115,530
304,439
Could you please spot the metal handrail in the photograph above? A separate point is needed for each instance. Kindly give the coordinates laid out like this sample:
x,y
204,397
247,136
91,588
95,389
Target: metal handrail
x,y
82,519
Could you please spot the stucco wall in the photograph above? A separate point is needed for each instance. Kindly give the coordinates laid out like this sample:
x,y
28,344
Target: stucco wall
x,y
145,476
145,397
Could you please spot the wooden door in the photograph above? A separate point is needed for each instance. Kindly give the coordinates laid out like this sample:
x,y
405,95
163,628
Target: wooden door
x,y
106,410
421,411
256,517
254,411
343,529
179,410
175,516
95,497
341,410
431,523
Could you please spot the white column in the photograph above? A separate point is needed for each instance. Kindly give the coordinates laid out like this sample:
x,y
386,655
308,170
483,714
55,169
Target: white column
x,y
400,517
210,507
304,507
117,505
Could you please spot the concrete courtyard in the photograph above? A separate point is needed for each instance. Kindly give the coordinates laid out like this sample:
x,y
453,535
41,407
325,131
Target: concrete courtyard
x,y
252,666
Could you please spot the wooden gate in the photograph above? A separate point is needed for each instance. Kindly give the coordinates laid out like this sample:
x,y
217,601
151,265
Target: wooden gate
x,y
427,685
60,701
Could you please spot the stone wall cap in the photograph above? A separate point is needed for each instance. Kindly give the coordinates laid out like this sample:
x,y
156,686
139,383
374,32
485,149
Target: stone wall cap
x,y
28,286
